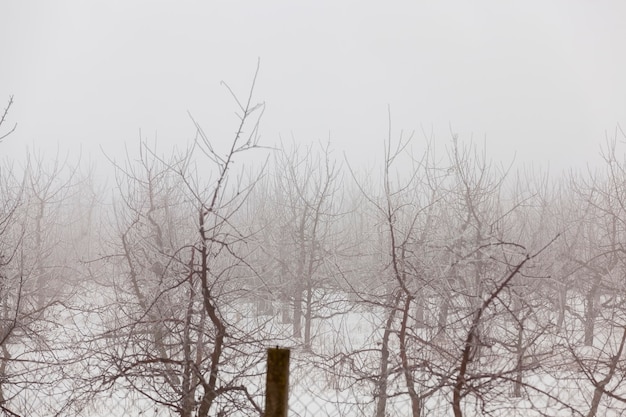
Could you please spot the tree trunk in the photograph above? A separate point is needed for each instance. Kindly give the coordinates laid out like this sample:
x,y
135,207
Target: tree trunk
x,y
285,317
519,367
590,313
420,309
562,306
209,387
406,370
297,312
308,316
519,344
442,318
381,385
298,287
600,386
187,391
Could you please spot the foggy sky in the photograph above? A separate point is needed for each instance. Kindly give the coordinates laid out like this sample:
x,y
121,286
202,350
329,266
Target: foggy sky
x,y
542,80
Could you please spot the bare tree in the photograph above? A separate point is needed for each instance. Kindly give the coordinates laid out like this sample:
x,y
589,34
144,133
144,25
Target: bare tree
x,y
307,184
3,119
406,222
35,293
598,262
183,338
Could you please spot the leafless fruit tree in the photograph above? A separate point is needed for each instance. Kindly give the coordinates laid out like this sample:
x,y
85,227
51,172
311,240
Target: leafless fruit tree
x,y
181,335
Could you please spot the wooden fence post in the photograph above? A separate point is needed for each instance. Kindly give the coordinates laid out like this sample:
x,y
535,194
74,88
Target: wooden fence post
x,y
277,383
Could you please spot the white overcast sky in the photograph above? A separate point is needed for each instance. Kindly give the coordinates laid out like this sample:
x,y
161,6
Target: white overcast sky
x,y
545,80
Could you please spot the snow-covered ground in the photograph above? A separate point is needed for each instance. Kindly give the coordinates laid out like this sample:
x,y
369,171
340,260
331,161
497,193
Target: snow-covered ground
x,y
338,376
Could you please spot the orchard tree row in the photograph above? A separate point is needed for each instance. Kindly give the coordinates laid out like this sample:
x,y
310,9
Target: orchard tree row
x,y
438,283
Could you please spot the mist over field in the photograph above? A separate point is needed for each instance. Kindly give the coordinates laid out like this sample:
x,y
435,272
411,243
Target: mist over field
x,y
424,203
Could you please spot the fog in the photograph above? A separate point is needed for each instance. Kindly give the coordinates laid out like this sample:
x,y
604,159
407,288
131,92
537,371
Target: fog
x,y
541,82
424,202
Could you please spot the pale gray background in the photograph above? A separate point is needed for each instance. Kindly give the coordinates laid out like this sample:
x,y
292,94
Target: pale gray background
x,y
543,79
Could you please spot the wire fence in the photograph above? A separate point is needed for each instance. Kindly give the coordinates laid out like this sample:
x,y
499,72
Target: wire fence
x,y
297,382
320,389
